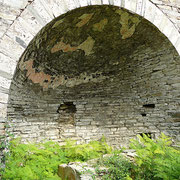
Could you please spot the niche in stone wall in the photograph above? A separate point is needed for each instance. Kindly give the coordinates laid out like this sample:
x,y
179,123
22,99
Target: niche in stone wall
x,y
175,116
143,114
67,107
67,111
149,105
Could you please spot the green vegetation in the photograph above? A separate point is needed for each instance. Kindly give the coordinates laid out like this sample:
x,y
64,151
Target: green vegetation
x,y
40,161
155,160
116,167
85,152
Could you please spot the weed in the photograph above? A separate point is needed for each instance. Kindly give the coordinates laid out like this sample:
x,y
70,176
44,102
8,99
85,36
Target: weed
x,y
155,159
40,161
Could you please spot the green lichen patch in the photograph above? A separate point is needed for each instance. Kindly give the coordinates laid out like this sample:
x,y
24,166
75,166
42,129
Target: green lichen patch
x,y
89,40
128,22
57,23
100,26
84,19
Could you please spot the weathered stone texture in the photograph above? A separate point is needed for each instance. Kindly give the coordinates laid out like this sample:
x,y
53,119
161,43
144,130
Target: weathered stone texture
x,y
21,20
119,87
171,8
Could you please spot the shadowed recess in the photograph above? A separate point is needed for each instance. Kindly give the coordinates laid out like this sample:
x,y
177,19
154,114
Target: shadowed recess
x,y
92,72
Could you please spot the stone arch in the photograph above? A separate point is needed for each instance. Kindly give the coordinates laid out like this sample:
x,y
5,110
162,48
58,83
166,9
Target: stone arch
x,y
13,43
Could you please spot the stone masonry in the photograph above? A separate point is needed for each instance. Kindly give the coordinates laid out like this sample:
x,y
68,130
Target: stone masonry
x,y
108,72
119,87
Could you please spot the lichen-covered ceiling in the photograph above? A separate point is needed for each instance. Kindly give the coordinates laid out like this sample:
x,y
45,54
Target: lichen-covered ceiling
x,y
86,44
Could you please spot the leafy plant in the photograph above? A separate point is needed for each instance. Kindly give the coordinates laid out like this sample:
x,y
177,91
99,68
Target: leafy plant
x,y
4,146
155,158
116,167
40,161
85,152
33,161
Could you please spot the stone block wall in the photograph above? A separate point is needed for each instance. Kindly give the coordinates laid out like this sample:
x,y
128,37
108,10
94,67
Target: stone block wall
x,y
21,20
171,8
142,98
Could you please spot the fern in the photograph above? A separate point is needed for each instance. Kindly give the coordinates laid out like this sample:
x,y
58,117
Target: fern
x,y
156,159
85,152
117,168
40,161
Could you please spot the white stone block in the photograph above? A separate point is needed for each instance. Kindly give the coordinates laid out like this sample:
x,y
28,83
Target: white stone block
x,y
117,3
157,1
4,98
11,48
69,4
177,45
168,29
4,26
53,6
173,37
77,3
3,110
29,21
72,4
19,4
9,10
36,15
139,7
131,5
111,2
83,3
19,34
6,75
7,64
49,11
122,3
62,5
163,23
7,16
5,83
105,2
37,9
72,130
96,2
159,18
150,12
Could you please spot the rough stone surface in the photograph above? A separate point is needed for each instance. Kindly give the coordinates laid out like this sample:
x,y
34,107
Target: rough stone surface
x,y
171,9
86,170
110,78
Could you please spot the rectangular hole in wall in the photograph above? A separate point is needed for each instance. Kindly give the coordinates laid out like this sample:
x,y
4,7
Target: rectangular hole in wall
x,y
149,105
68,107
143,114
